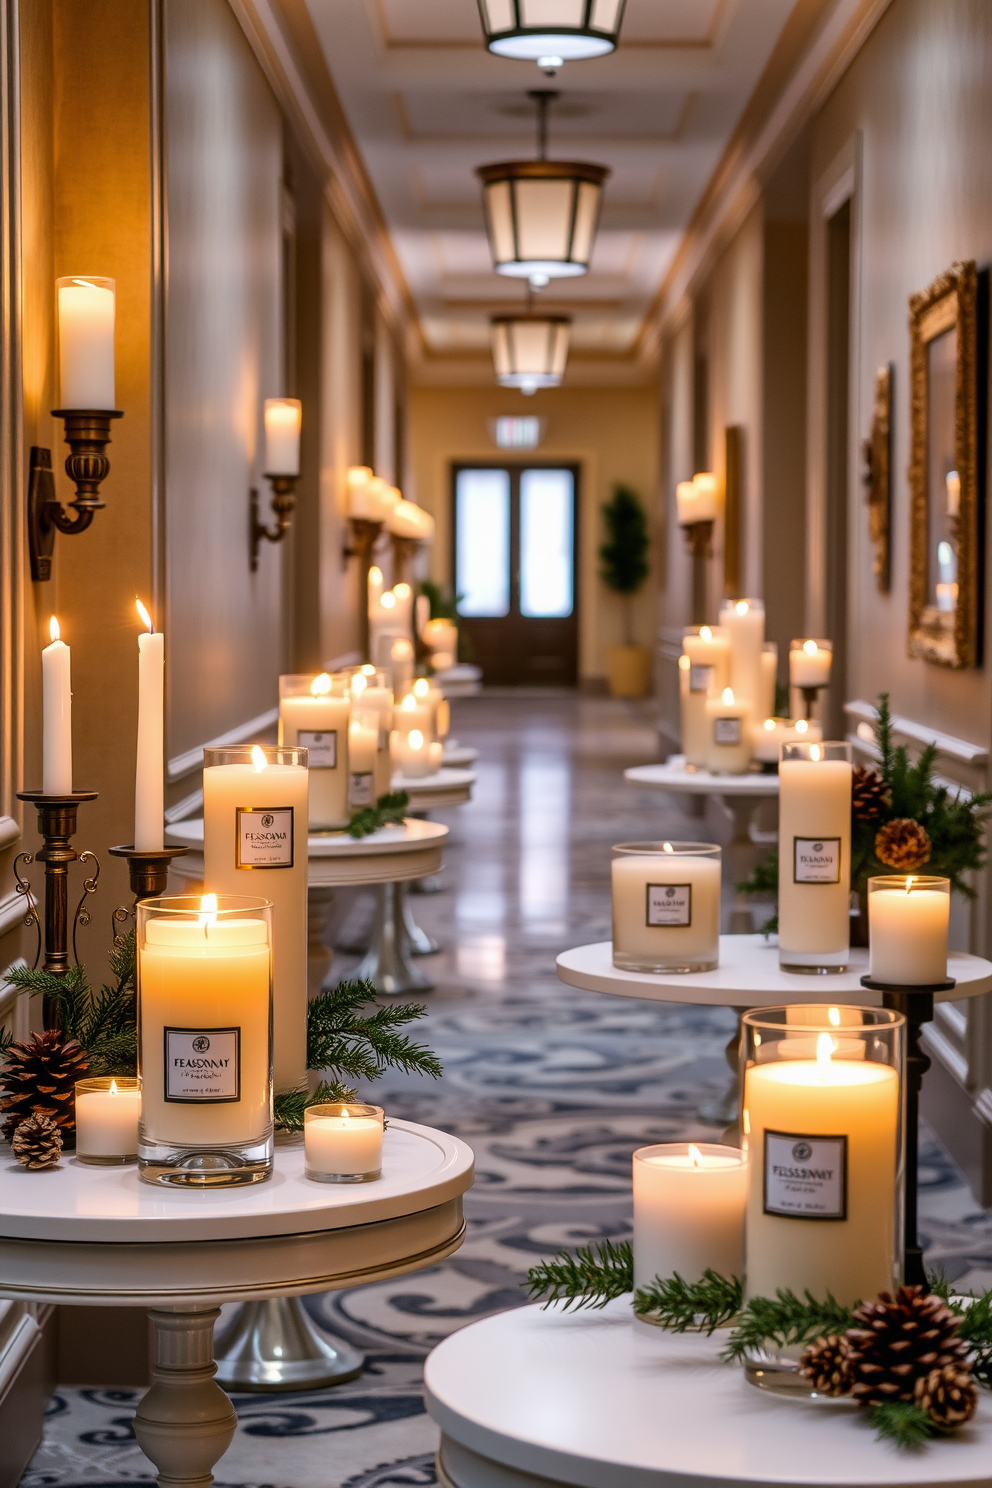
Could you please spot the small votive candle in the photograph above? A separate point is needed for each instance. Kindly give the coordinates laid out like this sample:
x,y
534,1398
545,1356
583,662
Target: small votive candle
x,y
907,928
689,1203
773,732
342,1142
108,1108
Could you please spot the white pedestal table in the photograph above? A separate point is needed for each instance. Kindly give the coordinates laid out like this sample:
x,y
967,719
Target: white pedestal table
x,y
448,787
100,1236
534,1399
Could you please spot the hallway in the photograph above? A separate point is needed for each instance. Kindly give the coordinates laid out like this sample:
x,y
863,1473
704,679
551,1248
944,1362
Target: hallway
x,y
552,1088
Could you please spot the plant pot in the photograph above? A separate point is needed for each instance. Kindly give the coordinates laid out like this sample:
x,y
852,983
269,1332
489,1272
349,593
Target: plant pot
x,y
628,671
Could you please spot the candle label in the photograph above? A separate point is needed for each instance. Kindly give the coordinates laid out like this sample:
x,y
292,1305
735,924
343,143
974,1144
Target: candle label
x,y
264,837
727,731
669,904
323,748
816,860
202,1065
700,678
362,789
805,1177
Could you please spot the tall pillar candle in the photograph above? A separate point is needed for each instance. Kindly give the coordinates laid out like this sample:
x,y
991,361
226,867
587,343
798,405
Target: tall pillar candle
x,y
666,906
688,1210
86,342
314,714
814,857
704,668
282,417
822,1128
370,689
413,713
769,681
255,840
907,929
743,620
149,775
56,768
363,740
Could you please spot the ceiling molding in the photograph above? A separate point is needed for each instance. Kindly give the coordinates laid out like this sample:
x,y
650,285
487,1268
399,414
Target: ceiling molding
x,y
563,142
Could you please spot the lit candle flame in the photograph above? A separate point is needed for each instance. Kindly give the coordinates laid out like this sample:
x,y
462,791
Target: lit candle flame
x,y
696,1155
368,670
909,883
415,739
345,1117
684,663
113,1087
769,724
728,695
801,726
810,648
208,910
402,591
825,1047
53,629
705,634
145,617
258,758
358,684
834,1017
375,575
667,847
409,703
421,687
388,600
321,685
741,607
815,752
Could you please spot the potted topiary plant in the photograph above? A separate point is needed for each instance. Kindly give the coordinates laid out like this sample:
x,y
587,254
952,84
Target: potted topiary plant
x,y
623,568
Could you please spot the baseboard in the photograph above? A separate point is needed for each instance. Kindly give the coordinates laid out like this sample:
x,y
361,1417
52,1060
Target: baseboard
x,y
963,1124
23,1399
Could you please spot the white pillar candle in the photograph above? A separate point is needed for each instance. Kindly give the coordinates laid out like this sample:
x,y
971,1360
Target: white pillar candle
x,y
370,690
343,1143
255,841
730,734
403,613
205,1028
56,769
363,744
688,1211
907,928
441,636
374,592
406,519
107,1112
707,489
769,679
704,668
401,664
359,502
86,343
822,1156
772,733
413,713
149,775
411,754
314,714
685,503
666,906
744,623
283,418
814,853
809,663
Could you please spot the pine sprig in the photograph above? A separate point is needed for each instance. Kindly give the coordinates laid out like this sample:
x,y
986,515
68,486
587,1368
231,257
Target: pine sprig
x,y
902,1422
785,1319
588,1277
104,1022
975,1312
387,811
690,1306
289,1105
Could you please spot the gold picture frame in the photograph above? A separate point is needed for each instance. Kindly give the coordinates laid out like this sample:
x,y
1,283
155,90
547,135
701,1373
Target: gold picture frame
x,y
877,454
944,558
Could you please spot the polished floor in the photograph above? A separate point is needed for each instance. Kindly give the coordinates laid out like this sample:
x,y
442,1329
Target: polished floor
x,y
552,1088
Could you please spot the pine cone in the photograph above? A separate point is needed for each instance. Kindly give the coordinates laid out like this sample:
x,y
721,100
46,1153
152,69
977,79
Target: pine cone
x,y
37,1142
900,1340
903,844
825,1363
949,1396
39,1079
869,794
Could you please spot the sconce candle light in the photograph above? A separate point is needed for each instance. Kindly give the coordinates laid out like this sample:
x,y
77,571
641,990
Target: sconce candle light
x,y
283,420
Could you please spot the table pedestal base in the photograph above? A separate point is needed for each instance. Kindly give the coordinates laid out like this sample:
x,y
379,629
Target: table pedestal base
x,y
274,1345
386,964
420,943
185,1423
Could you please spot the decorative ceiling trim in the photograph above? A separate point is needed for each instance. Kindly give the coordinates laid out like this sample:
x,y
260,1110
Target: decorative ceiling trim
x,y
525,141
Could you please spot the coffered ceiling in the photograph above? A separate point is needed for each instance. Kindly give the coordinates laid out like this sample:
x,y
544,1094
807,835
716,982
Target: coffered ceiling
x,y
427,104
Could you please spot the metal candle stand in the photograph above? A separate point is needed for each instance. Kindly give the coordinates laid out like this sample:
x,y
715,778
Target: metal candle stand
x,y
148,871
810,695
56,824
916,1006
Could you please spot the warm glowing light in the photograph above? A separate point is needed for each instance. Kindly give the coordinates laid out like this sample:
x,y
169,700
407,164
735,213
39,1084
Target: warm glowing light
x,y
815,752
345,1117
741,607
208,910
321,686
728,695
695,1154
801,726
825,1047
53,629
145,617
834,1017
705,634
684,663
258,759
909,883
368,670
388,600
810,648
421,687
746,1123
402,591
409,703
358,684
113,1087
415,739
667,847
375,576
769,724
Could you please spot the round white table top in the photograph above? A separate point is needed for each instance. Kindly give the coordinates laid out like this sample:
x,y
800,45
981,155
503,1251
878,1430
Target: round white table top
x,y
77,1202
674,775
748,976
589,1399
412,836
444,780
458,756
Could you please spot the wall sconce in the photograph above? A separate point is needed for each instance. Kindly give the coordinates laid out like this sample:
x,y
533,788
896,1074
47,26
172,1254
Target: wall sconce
x,y
696,502
283,418
86,312
409,526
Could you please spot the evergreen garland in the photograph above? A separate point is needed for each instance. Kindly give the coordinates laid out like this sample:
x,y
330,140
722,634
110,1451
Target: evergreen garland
x,y
387,811
590,1277
690,1306
103,1022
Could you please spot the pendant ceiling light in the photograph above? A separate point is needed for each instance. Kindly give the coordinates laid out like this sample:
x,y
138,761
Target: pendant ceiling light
x,y
550,32
530,351
541,215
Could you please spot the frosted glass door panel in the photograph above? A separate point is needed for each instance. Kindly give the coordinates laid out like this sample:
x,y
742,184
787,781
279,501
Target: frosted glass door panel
x,y
547,506
482,543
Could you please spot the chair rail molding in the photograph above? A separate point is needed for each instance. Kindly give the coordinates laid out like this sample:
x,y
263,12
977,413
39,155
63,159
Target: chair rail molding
x,y
192,759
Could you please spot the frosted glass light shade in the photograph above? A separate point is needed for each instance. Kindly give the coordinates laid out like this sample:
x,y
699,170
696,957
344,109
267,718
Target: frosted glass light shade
x,y
530,352
567,29
541,215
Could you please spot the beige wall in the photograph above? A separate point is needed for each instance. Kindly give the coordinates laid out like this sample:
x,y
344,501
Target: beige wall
x,y
611,433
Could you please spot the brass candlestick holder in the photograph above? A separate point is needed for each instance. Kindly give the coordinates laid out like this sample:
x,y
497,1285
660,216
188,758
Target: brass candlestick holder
x,y
283,505
87,433
364,532
405,549
56,824
699,544
148,871
810,695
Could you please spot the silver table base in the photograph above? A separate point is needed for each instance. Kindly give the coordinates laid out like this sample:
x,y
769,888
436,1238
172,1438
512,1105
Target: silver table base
x,y
274,1345
387,963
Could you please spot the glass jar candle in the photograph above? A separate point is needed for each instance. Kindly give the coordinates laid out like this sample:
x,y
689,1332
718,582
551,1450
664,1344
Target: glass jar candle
x,y
688,1210
370,689
704,669
908,916
314,713
205,1039
822,1116
343,1142
814,857
666,906
108,1108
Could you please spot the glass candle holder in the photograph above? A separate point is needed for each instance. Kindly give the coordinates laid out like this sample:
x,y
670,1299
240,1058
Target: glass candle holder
x,y
688,1210
743,622
814,857
666,906
809,662
704,668
771,733
108,1109
314,713
908,916
363,744
371,689
343,1142
205,1040
824,1130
